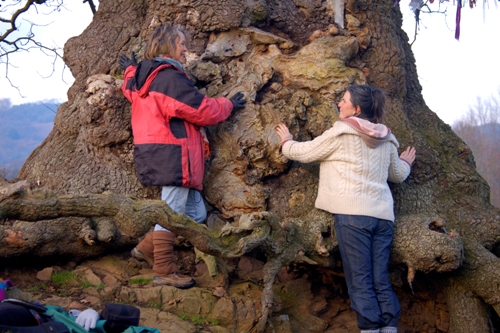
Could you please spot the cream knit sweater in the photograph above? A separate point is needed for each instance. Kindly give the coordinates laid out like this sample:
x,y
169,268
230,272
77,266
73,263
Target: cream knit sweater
x,y
353,177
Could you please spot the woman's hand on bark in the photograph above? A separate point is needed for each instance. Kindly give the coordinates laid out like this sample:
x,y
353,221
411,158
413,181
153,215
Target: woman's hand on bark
x,y
408,155
283,132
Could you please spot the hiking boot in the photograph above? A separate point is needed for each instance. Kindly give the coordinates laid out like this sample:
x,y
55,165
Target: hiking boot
x,y
137,254
163,253
174,280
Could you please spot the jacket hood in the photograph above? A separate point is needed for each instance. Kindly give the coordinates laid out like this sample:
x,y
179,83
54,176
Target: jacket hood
x,y
372,134
145,73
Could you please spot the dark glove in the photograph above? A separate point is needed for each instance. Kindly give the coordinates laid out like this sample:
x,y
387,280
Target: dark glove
x,y
238,101
125,62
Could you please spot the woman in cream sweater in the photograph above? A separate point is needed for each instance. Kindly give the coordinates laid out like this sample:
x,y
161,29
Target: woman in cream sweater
x,y
358,156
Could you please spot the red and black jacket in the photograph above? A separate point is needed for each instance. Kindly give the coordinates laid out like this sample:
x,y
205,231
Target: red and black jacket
x,y
167,114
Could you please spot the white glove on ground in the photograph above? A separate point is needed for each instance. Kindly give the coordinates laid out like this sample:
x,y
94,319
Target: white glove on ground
x,y
74,312
87,319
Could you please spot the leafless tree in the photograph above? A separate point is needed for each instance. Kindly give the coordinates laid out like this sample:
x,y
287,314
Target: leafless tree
x,y
12,16
479,128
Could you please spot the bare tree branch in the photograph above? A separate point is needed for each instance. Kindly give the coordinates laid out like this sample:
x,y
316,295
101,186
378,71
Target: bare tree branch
x,y
92,5
13,19
418,11
11,42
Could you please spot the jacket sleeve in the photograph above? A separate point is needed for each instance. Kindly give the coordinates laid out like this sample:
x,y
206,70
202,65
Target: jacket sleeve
x,y
127,86
309,151
399,170
197,108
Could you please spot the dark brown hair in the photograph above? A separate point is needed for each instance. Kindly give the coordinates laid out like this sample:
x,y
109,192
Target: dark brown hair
x,y
370,100
163,40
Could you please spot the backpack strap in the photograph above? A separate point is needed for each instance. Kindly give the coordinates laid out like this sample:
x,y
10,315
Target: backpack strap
x,y
37,317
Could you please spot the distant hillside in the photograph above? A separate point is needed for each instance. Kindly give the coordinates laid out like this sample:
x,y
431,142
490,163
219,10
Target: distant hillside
x,y
22,128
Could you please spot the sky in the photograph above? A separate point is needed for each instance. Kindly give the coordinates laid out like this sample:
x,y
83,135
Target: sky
x,y
31,71
453,74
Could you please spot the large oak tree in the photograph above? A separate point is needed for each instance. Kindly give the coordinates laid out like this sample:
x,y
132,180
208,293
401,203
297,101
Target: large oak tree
x,y
293,62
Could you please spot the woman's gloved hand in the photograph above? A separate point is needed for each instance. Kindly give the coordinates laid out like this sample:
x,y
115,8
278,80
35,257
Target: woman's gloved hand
x,y
124,61
238,101
87,319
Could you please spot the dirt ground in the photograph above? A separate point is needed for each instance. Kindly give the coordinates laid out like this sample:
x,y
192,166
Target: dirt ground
x,y
114,278
117,277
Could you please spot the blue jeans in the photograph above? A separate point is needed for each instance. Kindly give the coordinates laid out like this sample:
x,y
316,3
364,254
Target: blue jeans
x,y
184,200
365,246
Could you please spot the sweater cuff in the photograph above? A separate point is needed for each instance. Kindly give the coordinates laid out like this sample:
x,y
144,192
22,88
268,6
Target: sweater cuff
x,y
284,141
402,159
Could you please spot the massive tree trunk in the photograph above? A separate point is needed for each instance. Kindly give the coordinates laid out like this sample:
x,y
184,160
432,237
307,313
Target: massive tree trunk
x,y
293,63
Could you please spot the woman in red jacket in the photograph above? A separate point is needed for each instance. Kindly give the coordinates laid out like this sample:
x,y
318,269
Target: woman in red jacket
x,y
168,114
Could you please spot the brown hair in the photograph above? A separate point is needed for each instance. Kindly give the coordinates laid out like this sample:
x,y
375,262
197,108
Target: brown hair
x,y
370,100
163,40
